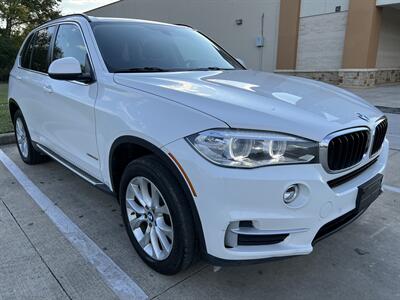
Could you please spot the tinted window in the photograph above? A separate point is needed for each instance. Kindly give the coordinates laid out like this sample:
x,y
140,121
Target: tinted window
x,y
41,47
69,43
126,45
27,52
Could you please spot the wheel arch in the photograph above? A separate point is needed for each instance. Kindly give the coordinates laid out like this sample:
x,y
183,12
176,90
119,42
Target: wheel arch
x,y
13,107
134,147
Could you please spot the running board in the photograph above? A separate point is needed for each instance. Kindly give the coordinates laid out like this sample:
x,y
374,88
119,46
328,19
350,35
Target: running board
x,y
89,178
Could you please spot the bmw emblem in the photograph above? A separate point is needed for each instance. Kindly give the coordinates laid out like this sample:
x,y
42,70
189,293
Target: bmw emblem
x,y
363,117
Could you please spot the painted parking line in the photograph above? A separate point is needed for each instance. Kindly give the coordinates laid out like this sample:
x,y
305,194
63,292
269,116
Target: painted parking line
x,y
391,188
119,282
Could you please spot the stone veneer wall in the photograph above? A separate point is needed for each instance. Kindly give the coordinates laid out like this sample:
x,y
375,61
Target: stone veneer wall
x,y
349,77
387,76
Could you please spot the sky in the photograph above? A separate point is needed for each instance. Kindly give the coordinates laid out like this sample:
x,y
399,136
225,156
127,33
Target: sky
x,y
80,6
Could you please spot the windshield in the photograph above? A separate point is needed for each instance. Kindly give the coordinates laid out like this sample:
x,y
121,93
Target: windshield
x,y
148,47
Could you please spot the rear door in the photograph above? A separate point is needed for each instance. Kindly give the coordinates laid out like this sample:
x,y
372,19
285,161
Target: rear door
x,y
70,123
29,79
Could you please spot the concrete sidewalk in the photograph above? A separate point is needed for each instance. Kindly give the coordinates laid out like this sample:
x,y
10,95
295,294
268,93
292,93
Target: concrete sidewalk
x,y
385,95
23,274
36,261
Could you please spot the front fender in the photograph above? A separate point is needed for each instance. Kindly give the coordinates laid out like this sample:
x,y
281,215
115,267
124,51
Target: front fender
x,y
123,111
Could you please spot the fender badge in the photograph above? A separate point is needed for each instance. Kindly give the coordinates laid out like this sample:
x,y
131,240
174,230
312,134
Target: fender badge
x,y
363,117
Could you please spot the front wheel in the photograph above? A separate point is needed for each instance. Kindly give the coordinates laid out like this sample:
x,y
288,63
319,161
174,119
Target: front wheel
x,y
157,216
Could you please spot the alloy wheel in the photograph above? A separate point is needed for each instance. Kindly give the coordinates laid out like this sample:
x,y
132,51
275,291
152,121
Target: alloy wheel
x,y
149,218
21,137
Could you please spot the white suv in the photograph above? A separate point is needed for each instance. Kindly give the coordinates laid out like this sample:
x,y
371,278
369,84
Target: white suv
x,y
205,156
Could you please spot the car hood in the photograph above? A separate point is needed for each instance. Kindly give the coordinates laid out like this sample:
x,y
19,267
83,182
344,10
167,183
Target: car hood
x,y
258,100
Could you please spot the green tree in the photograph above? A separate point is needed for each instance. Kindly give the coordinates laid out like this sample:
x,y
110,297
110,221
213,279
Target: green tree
x,y
19,16
8,52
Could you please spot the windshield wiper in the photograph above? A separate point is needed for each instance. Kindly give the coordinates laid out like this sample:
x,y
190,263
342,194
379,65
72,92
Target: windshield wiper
x,y
157,69
211,69
142,70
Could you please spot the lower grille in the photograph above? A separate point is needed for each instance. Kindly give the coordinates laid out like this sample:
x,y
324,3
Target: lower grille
x,y
336,225
243,233
346,150
379,136
258,240
343,179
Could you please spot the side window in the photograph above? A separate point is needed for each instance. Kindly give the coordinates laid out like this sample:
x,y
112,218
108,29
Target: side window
x,y
26,52
41,47
69,43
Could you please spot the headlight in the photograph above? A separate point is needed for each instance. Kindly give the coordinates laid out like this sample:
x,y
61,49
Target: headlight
x,y
251,149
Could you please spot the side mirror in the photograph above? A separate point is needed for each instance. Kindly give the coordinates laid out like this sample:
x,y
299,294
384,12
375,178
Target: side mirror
x,y
241,61
67,68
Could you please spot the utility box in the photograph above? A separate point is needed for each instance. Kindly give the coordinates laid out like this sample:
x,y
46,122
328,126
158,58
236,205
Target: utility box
x,y
260,41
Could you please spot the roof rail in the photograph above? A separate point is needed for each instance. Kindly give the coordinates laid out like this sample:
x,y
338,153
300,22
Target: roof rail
x,y
185,25
67,16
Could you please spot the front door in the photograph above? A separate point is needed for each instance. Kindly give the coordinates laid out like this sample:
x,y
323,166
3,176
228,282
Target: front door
x,y
70,126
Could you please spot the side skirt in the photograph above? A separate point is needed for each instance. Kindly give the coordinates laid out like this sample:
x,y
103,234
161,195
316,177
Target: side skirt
x,y
89,178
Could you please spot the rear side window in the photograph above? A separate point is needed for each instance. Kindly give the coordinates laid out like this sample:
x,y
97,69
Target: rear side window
x,y
41,46
69,43
27,53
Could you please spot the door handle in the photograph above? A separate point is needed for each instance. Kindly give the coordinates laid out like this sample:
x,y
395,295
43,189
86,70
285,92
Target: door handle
x,y
48,89
18,77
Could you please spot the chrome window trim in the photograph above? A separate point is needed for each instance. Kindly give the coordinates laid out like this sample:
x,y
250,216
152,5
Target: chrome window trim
x,y
19,55
57,25
87,50
24,44
324,144
33,71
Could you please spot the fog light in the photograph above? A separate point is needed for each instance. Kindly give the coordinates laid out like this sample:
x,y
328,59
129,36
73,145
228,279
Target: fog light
x,y
291,193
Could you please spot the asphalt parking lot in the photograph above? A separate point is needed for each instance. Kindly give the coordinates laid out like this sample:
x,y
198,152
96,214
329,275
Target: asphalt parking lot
x,y
39,260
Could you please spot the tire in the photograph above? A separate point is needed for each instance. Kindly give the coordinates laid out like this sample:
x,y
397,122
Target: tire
x,y
175,213
24,143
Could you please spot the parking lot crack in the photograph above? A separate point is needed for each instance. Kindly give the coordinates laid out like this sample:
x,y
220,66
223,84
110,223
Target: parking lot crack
x,y
36,250
179,282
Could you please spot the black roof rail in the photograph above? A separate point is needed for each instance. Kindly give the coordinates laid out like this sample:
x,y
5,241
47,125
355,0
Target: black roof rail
x,y
67,16
185,25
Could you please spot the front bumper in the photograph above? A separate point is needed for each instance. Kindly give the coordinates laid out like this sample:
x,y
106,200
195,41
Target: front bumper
x,y
226,196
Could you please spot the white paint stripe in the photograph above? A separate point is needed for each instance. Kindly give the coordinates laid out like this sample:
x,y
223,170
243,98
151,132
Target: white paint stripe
x,y
122,285
391,188
379,231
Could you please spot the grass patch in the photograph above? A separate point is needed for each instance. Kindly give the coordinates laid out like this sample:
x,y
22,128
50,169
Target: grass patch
x,y
5,120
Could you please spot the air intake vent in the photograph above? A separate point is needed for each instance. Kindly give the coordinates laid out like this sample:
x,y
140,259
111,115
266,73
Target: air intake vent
x,y
243,233
258,240
379,136
345,151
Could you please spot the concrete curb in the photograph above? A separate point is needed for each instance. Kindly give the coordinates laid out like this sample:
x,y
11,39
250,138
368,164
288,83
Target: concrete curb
x,y
7,138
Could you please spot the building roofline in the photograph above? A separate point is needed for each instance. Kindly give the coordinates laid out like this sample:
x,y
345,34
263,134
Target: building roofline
x,y
96,8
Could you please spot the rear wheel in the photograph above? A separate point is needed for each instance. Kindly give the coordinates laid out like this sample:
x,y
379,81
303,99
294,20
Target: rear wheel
x,y
157,216
25,147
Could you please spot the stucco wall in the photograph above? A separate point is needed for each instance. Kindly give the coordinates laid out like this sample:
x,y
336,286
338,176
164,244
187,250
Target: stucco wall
x,y
217,20
319,7
389,39
321,41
